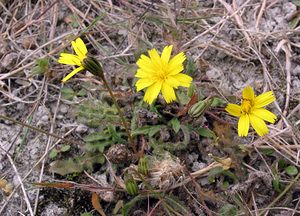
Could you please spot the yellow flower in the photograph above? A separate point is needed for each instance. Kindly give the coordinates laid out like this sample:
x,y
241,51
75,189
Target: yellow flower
x,y
70,59
251,111
160,73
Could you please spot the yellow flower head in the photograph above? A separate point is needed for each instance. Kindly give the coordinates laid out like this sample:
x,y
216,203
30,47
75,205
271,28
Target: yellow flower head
x,y
70,59
251,111
160,73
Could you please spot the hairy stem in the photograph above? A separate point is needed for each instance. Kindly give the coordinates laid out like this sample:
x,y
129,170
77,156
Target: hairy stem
x,y
120,114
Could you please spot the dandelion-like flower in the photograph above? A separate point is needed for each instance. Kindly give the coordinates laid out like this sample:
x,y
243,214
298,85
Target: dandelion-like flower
x,y
160,73
251,111
78,59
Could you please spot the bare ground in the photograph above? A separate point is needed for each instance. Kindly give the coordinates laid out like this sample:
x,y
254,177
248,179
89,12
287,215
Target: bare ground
x,y
230,44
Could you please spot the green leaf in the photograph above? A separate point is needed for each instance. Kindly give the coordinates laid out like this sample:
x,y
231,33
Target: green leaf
x,y
213,173
291,170
267,152
53,153
218,102
153,130
127,207
98,146
96,136
65,148
276,183
81,93
115,136
146,130
142,130
191,66
230,175
96,113
175,123
191,90
186,134
281,164
88,160
228,210
64,167
41,66
294,22
225,185
296,2
182,97
67,93
206,132
86,214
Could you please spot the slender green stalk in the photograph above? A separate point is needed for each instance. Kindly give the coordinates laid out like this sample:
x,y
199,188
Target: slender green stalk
x,y
120,114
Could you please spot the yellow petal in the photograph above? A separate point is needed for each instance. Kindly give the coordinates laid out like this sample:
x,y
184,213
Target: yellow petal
x,y
243,125
146,64
248,93
176,69
234,110
152,92
168,93
75,71
143,83
175,64
155,58
265,115
259,125
166,54
264,99
172,82
80,48
184,79
142,74
69,59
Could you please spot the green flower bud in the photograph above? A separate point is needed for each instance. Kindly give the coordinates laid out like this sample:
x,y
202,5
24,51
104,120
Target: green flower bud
x,y
93,65
143,166
131,185
200,107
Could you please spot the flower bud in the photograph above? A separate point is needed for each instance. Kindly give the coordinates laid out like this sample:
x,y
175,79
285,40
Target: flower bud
x,y
199,108
131,185
143,166
93,65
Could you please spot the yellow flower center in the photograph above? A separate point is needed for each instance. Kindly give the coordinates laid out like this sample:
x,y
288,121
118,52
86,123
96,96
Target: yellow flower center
x,y
162,75
246,106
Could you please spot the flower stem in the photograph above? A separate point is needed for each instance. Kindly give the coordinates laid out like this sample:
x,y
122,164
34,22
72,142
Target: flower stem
x,y
120,114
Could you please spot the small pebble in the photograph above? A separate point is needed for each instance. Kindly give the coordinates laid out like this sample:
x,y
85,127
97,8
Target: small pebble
x,y
81,129
63,108
9,60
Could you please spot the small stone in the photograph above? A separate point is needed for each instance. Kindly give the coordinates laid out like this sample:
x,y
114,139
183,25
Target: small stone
x,y
64,108
107,196
296,71
20,106
59,117
9,60
213,73
43,121
198,166
81,129
15,181
53,210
